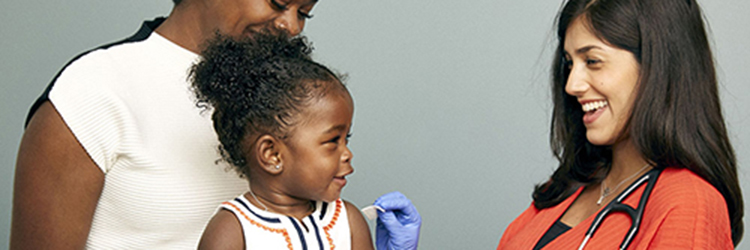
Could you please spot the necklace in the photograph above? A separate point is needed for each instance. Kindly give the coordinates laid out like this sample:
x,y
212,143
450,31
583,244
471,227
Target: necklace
x,y
258,201
605,191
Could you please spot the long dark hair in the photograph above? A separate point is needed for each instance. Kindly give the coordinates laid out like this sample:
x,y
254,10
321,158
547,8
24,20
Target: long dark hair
x,y
676,119
257,85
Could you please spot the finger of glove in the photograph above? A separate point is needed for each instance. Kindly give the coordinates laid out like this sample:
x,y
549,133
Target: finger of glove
x,y
380,230
395,201
382,236
395,195
402,209
395,236
389,220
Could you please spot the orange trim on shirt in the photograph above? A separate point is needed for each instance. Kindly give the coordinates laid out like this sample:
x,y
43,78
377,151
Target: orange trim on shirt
x,y
330,225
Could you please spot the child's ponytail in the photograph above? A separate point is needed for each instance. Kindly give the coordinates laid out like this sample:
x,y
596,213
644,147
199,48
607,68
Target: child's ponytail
x,y
234,70
255,86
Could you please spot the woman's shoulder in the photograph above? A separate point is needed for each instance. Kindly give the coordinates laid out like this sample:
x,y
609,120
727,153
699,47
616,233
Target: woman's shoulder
x,y
685,211
681,182
682,189
550,213
517,225
113,61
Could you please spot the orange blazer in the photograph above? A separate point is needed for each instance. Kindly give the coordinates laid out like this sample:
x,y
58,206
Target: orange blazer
x,y
683,212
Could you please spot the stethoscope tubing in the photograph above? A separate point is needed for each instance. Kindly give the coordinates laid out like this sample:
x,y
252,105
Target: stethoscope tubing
x,y
617,206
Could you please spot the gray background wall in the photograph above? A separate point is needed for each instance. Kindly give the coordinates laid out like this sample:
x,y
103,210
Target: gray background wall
x,y
451,96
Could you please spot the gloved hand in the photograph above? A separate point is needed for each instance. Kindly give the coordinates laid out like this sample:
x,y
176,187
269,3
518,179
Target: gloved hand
x,y
397,227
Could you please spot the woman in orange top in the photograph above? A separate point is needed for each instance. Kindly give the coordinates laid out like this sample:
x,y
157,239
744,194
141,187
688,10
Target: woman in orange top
x,y
635,91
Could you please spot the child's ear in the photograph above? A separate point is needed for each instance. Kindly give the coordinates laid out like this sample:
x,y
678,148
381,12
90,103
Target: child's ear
x,y
269,154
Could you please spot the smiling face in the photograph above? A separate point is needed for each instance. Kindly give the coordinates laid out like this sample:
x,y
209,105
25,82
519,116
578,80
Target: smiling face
x,y
243,17
603,79
317,158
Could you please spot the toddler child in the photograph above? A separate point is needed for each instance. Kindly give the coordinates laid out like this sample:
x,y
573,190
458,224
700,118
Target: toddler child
x,y
283,121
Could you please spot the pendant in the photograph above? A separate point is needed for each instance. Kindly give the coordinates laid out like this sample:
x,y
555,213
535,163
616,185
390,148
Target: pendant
x,y
605,193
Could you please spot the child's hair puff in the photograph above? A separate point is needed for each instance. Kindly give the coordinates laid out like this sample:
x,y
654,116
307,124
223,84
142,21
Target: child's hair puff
x,y
256,86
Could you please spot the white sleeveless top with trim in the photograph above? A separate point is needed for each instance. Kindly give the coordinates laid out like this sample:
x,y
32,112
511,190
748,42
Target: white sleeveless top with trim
x,y
326,228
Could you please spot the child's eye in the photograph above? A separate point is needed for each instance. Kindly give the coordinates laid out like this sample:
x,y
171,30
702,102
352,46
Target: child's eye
x,y
349,135
334,140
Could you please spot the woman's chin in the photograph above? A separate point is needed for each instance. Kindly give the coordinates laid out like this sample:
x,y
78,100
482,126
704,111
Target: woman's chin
x,y
599,140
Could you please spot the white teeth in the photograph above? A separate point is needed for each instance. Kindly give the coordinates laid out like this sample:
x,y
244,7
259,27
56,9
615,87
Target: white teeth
x,y
591,106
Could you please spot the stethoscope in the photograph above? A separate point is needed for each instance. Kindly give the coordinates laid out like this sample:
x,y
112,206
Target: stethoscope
x,y
617,206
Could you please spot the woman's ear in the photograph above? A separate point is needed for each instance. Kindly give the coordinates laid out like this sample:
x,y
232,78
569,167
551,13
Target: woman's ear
x,y
269,154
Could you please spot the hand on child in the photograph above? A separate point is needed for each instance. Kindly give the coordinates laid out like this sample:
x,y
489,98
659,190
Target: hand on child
x,y
397,227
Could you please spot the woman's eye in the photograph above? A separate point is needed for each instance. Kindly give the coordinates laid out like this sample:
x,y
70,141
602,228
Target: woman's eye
x,y
592,61
278,5
304,15
567,63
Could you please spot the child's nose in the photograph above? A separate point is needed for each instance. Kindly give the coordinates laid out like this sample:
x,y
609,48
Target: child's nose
x,y
346,157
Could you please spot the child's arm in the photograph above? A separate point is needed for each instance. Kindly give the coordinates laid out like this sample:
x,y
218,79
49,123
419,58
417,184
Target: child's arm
x,y
223,232
361,238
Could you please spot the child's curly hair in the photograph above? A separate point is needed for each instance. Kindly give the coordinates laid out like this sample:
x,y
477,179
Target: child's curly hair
x,y
257,86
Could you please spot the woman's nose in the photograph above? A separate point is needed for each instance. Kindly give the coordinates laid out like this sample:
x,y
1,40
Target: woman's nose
x,y
290,22
577,83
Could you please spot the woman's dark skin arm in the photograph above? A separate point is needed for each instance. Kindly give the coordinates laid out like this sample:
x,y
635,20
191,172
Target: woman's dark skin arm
x,y
57,186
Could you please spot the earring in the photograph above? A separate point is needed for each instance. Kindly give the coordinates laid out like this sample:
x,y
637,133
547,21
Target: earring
x,y
277,167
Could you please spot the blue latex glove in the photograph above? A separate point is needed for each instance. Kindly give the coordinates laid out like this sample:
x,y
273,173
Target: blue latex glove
x,y
398,227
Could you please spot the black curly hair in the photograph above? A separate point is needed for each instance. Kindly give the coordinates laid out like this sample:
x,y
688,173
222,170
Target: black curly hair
x,y
257,86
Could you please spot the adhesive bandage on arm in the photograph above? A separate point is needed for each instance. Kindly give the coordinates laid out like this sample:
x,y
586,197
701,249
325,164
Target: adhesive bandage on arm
x,y
371,212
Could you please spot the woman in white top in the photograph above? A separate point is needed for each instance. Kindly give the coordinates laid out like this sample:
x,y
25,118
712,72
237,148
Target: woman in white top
x,y
116,155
